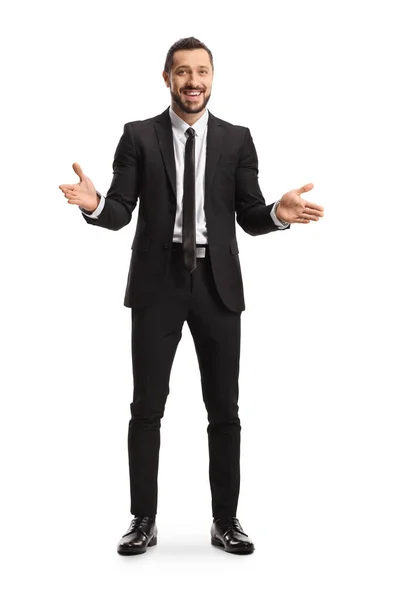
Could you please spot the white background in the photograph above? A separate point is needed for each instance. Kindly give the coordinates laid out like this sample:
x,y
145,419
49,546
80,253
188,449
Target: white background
x,y
317,84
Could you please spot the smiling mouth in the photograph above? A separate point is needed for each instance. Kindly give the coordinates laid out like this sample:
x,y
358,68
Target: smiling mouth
x,y
192,94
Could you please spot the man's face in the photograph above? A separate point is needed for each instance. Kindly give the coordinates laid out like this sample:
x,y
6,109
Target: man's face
x,y
190,71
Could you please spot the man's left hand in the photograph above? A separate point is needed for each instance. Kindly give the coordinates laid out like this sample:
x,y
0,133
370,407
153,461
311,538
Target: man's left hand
x,y
292,208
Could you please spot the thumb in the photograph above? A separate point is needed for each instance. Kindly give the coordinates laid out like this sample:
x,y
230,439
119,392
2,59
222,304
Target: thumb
x,y
305,188
78,171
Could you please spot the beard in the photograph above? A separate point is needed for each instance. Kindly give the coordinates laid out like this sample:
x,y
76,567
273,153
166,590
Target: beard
x,y
188,108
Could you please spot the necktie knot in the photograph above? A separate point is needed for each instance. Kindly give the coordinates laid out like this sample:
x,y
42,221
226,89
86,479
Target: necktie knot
x,y
190,132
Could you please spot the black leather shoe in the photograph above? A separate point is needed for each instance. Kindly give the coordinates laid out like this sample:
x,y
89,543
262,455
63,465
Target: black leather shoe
x,y
142,532
228,534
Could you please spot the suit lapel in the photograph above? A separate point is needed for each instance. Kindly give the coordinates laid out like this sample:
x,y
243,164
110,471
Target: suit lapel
x,y
163,129
215,134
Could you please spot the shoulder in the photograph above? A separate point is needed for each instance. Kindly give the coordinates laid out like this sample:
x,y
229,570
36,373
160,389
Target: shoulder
x,y
140,124
231,127
237,134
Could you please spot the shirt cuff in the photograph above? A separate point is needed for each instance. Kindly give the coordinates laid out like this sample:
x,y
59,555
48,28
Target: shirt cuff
x,y
95,213
280,224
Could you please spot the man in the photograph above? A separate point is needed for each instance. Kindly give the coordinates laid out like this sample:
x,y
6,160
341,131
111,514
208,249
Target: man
x,y
192,172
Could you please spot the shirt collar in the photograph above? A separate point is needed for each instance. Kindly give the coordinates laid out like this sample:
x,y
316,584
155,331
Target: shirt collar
x,y
180,126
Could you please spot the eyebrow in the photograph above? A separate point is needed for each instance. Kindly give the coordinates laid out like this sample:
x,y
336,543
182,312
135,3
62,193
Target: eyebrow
x,y
188,66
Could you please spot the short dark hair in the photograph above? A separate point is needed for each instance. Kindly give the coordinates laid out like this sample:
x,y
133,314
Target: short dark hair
x,y
189,43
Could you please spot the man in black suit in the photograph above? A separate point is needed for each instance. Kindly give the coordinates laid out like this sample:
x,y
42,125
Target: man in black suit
x,y
192,172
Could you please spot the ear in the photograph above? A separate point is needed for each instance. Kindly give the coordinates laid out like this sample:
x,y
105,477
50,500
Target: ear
x,y
166,78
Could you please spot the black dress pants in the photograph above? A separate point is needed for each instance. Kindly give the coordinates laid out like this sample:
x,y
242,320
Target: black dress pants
x,y
156,332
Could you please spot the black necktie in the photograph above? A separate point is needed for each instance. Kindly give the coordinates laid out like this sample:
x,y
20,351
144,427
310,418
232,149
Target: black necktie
x,y
189,205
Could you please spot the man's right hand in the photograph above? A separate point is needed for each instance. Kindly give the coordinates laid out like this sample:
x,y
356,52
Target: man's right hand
x,y
83,193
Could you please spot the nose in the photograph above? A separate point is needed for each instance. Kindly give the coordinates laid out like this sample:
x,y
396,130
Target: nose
x,y
193,83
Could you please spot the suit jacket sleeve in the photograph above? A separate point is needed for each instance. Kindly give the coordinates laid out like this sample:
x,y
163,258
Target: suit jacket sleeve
x,y
95,213
252,214
122,197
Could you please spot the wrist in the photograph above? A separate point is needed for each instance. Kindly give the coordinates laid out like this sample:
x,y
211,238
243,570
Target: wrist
x,y
278,216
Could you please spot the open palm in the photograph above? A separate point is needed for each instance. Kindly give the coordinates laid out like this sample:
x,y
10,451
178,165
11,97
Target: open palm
x,y
82,193
292,208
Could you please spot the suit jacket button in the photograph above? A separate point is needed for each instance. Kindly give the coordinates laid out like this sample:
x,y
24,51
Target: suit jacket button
x,y
166,245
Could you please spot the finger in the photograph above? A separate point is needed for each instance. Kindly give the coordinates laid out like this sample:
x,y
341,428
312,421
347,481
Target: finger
x,y
72,199
300,220
305,188
313,205
78,171
312,212
71,195
309,217
67,187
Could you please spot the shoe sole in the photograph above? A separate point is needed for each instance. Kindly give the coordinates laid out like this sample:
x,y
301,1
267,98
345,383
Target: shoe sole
x,y
129,551
216,542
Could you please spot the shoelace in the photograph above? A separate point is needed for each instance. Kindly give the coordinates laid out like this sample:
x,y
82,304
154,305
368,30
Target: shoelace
x,y
232,523
136,522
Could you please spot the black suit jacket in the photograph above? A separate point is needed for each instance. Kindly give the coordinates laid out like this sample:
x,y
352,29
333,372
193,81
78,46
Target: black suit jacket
x,y
144,166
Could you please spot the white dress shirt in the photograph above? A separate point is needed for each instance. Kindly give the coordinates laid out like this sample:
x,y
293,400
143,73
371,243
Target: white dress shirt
x,y
179,126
